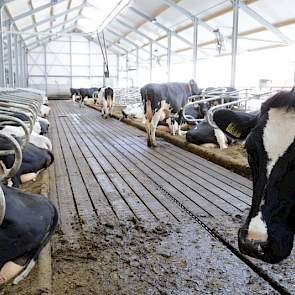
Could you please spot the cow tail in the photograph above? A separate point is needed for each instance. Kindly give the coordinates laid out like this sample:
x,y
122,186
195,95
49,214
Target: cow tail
x,y
149,111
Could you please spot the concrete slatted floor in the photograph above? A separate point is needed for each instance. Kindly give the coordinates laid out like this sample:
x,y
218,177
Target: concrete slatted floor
x,y
103,169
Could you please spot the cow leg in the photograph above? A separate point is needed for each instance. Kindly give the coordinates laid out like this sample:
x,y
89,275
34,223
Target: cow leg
x,y
221,138
148,131
170,125
175,127
155,120
111,107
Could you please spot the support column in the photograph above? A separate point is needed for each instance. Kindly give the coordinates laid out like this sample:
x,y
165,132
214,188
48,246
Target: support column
x,y
45,69
151,61
104,78
127,71
26,68
137,66
21,64
2,68
234,47
169,57
195,49
71,62
89,60
9,49
118,69
16,52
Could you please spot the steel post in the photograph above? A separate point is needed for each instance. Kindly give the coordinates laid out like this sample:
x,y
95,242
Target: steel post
x,y
169,56
234,48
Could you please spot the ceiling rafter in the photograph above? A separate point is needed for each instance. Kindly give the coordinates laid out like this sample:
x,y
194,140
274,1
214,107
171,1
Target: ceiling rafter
x,y
249,11
128,41
140,33
33,17
48,19
34,11
46,38
54,27
68,8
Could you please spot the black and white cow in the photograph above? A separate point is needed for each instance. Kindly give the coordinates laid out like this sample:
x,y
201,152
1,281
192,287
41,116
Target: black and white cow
x,y
163,100
268,232
34,160
27,222
206,135
75,92
106,100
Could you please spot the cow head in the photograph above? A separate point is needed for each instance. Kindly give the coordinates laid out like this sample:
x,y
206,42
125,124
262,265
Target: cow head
x,y
194,87
269,229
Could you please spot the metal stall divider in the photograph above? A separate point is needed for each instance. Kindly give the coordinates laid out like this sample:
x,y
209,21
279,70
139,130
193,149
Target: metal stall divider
x,y
18,108
249,97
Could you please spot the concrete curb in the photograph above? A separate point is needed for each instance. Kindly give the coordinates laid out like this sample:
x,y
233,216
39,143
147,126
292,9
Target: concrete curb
x,y
44,261
210,155
43,279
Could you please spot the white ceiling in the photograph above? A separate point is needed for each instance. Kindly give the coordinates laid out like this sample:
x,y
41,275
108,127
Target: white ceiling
x,y
89,15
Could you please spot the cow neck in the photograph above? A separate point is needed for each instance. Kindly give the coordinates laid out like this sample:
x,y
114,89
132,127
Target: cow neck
x,y
189,89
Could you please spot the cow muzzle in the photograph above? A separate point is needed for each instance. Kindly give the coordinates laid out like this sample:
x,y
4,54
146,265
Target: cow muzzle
x,y
270,251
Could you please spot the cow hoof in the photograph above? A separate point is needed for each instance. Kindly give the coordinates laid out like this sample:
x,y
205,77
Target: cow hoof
x,y
9,271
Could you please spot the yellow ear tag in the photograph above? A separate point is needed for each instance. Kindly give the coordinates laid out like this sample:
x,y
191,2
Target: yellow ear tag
x,y
233,130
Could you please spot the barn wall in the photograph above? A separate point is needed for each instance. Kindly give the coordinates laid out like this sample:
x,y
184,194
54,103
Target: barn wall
x,y
69,62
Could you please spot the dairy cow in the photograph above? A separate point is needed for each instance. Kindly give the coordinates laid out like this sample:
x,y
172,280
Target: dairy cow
x,y
268,232
204,134
27,222
34,159
163,100
106,100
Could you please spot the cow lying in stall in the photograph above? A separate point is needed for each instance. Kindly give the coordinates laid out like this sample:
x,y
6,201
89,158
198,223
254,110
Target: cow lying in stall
x,y
36,156
163,100
133,111
27,222
204,134
106,100
268,232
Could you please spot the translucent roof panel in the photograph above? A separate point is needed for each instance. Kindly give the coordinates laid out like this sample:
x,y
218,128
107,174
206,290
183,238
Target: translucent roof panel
x,y
110,16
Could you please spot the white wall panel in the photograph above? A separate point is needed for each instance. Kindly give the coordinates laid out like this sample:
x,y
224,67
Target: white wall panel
x,y
58,71
58,59
86,70
80,71
80,47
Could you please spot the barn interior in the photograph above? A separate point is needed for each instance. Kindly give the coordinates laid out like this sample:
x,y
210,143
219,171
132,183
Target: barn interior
x,y
117,175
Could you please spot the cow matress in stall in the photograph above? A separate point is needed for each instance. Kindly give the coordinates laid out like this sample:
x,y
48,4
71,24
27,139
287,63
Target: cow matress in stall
x,y
27,221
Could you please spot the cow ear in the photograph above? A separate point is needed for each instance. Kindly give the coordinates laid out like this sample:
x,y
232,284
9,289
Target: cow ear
x,y
235,124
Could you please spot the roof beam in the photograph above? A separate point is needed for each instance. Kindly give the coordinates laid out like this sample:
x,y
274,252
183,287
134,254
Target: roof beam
x,y
265,23
93,40
53,17
33,16
140,33
156,23
43,43
188,14
54,27
38,9
48,37
128,41
68,8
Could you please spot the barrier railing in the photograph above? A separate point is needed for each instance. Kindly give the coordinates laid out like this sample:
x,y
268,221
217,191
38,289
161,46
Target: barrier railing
x,y
126,96
258,96
217,94
19,109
